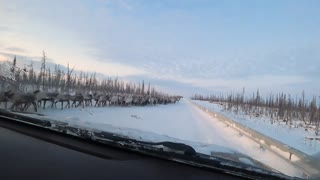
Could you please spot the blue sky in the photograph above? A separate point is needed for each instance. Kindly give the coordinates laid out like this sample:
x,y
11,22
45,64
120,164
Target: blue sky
x,y
181,45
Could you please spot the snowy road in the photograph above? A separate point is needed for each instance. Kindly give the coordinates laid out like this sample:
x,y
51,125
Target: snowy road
x,y
182,121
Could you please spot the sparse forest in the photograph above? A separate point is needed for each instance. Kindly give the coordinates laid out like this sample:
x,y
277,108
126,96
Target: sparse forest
x,y
28,79
58,80
279,107
25,86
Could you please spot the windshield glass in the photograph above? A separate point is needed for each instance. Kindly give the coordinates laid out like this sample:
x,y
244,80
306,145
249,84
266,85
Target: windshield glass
x,y
237,80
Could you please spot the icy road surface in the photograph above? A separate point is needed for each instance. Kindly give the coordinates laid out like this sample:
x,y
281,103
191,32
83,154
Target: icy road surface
x,y
180,121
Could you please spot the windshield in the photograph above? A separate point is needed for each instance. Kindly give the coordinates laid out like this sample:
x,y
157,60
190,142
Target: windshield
x,y
231,79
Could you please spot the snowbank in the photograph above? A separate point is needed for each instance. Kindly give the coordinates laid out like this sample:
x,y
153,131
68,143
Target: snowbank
x,y
293,137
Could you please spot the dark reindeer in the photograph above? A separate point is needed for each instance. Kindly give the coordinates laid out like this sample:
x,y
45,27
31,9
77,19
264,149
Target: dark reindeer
x,y
77,98
26,99
4,98
88,99
63,98
46,96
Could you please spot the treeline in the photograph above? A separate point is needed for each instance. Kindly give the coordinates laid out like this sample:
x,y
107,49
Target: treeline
x,y
277,107
59,80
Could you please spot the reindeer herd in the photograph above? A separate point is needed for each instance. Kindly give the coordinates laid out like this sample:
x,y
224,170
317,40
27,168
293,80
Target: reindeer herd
x,y
22,101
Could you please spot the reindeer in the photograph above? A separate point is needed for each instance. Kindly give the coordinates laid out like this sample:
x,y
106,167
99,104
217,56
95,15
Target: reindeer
x,y
63,98
108,98
172,100
136,100
46,96
23,99
152,100
88,99
102,101
114,100
77,98
144,101
4,98
128,100
122,100
96,97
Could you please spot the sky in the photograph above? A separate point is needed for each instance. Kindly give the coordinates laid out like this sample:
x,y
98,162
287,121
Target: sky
x,y
182,46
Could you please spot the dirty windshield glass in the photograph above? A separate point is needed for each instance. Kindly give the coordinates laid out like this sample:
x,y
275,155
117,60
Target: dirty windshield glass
x,y
237,80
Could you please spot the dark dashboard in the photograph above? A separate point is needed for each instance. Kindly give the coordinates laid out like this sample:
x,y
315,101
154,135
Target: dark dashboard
x,y
25,157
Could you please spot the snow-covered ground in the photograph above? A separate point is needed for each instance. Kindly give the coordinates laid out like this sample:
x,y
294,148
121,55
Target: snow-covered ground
x,y
182,122
294,137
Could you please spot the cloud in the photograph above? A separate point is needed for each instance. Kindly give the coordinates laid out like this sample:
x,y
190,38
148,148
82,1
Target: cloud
x,y
113,69
266,84
4,28
264,81
105,68
182,46
16,49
